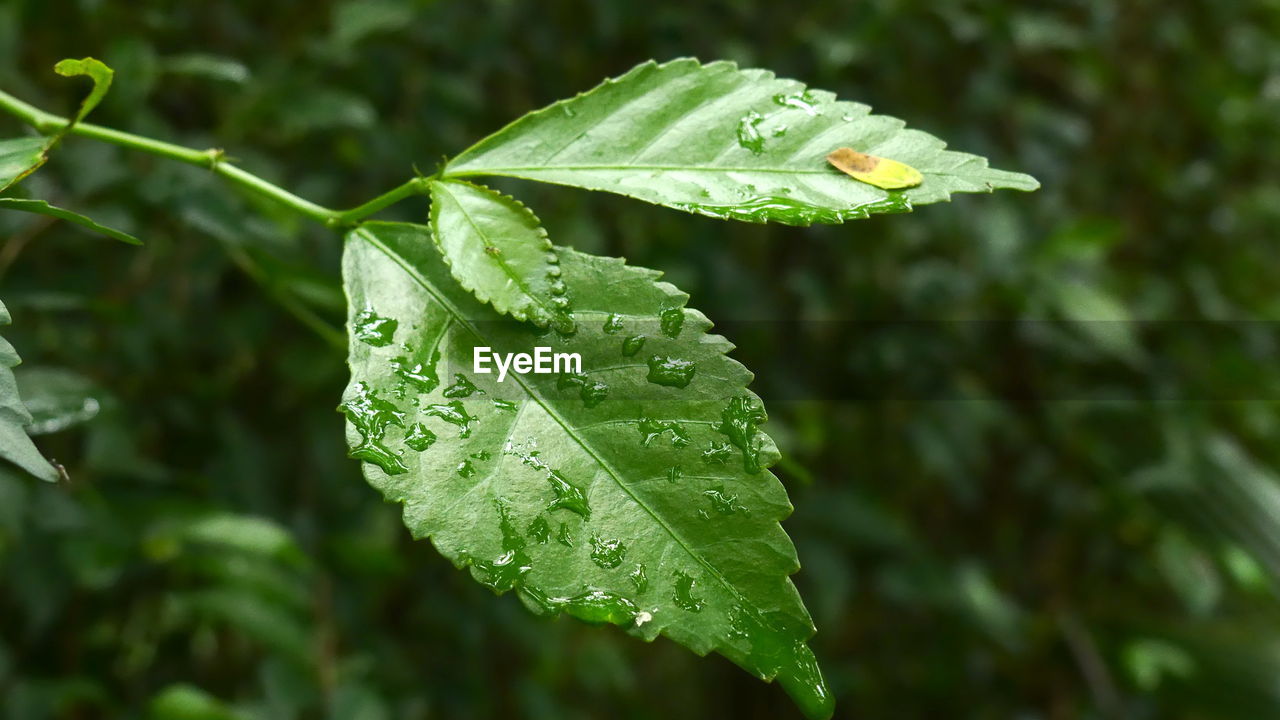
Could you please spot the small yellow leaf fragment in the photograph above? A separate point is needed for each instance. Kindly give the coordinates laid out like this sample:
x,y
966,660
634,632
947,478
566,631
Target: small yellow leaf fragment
x,y
881,172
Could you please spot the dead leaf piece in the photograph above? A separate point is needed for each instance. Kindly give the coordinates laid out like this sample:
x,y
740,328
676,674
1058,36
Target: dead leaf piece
x,y
881,172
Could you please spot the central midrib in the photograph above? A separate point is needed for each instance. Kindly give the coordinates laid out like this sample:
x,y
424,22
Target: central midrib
x,y
532,393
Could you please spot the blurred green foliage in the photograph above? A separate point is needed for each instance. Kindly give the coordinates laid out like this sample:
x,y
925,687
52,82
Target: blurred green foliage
x,y
1034,477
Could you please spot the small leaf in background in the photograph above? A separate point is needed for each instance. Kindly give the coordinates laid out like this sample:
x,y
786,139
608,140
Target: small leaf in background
x,y
40,207
881,172
497,249
209,67
726,142
634,492
354,20
188,702
1100,317
255,535
1149,661
19,158
95,70
57,399
15,444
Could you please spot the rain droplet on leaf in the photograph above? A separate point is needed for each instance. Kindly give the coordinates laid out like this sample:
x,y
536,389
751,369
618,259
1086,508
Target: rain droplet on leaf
x,y
373,329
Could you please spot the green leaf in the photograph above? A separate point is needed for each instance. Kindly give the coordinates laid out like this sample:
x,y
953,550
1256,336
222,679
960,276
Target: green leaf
x,y
95,70
634,492
497,249
19,158
43,208
57,399
717,140
188,702
15,444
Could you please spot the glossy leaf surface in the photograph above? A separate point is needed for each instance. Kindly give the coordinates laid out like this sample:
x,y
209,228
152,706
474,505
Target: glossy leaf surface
x,y
635,492
497,249
726,142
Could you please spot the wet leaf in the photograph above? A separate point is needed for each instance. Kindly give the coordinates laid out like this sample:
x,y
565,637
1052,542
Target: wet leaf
x,y
726,142
15,444
41,207
497,249
604,494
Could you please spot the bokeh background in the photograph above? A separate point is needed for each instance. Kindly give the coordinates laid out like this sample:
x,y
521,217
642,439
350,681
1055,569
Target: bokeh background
x,y
1031,440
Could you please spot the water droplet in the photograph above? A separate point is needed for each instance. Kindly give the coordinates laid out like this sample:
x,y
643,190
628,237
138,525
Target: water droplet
x,y
593,606
558,287
461,387
632,345
591,392
613,323
504,405
371,415
671,321
453,413
373,329
507,570
722,503
568,111
801,101
562,322
847,118
608,554
740,421
419,437
564,536
466,469
777,208
639,578
773,651
539,530
717,454
779,131
560,302
671,372
535,314
749,136
651,429
423,377
683,593
675,474
567,495
482,455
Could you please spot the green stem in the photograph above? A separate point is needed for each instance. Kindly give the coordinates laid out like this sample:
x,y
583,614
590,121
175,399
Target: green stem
x,y
213,159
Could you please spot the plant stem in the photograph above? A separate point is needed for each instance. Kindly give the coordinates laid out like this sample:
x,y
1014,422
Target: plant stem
x,y
214,159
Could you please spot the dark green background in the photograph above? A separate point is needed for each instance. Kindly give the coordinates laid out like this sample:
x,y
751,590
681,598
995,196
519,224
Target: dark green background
x,y
1030,450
